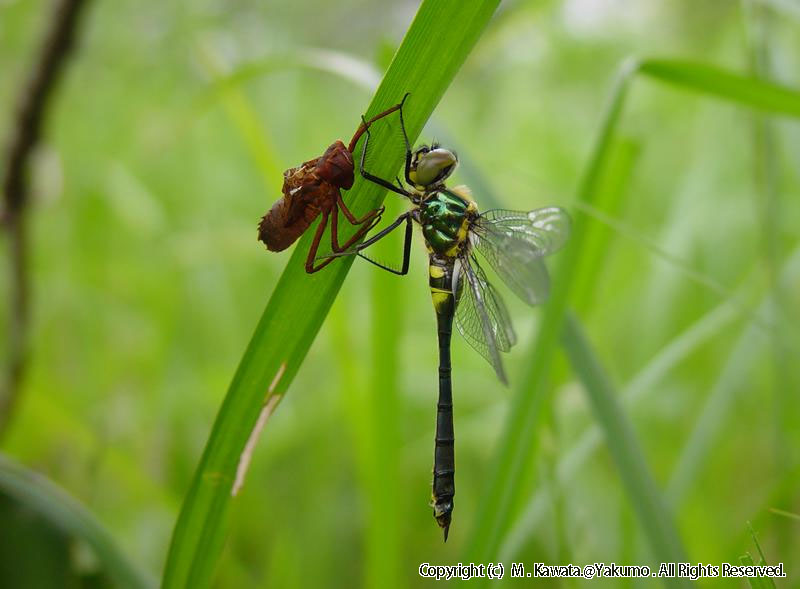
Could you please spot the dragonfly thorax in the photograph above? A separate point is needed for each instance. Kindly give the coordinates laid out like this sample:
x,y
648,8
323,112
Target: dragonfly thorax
x,y
445,217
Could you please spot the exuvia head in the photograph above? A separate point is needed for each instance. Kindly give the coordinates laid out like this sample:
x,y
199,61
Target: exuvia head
x,y
431,166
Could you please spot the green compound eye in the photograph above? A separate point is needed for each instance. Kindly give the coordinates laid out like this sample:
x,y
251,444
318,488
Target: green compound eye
x,y
434,166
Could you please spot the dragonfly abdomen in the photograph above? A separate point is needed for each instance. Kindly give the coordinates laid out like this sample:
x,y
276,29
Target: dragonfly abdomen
x,y
444,489
440,270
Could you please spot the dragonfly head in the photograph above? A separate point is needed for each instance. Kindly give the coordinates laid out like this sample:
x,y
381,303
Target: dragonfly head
x,y
431,166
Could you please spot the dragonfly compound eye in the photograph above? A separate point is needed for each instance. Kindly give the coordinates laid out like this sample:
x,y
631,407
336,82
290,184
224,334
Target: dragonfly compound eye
x,y
434,166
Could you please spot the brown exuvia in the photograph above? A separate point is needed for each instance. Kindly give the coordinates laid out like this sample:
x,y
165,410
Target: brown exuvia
x,y
313,189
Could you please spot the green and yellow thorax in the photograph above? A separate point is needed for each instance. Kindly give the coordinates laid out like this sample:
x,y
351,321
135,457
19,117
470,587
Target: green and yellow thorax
x,y
445,217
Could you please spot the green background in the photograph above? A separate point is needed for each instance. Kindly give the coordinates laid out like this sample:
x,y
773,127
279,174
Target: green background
x,y
148,281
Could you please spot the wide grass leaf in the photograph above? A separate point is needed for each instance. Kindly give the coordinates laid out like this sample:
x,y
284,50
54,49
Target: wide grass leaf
x,y
70,516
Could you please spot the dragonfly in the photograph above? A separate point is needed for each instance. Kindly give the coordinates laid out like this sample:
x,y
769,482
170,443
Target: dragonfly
x,y
312,189
513,243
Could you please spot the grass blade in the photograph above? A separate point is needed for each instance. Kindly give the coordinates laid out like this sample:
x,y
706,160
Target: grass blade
x,y
719,403
653,513
747,560
786,514
732,87
638,389
73,518
300,302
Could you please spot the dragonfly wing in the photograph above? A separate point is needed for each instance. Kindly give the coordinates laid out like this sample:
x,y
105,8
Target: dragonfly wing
x,y
514,243
481,316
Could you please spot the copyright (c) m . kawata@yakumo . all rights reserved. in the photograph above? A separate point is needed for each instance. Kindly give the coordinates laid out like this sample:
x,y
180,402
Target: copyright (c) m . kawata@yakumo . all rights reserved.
x,y
599,570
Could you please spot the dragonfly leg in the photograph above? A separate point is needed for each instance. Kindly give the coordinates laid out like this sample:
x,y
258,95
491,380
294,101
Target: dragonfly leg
x,y
406,245
402,123
405,217
376,179
312,252
408,145
383,233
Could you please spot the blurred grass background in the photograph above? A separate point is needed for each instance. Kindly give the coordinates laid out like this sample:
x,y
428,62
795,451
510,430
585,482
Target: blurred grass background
x,y
148,280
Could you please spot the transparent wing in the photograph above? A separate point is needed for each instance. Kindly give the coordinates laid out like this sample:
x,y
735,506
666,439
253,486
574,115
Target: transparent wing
x,y
514,243
481,316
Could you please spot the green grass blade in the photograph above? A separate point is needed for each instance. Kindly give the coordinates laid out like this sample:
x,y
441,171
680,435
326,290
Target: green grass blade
x,y
300,302
754,582
786,514
720,401
624,230
762,559
638,389
708,79
653,513
71,517
747,560
611,198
